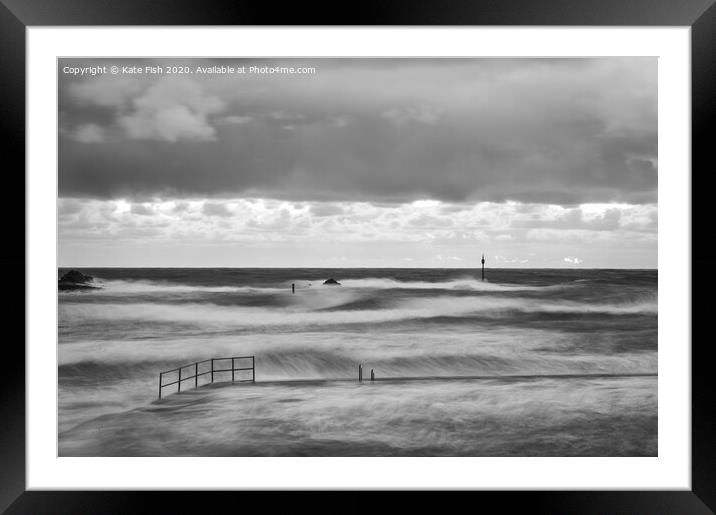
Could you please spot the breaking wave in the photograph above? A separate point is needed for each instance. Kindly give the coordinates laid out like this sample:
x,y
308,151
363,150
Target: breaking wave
x,y
288,364
130,287
118,286
402,323
307,314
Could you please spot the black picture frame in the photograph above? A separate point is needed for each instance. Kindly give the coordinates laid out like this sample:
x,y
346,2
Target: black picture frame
x,y
17,15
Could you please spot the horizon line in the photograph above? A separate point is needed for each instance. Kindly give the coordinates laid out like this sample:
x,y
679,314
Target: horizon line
x,y
373,267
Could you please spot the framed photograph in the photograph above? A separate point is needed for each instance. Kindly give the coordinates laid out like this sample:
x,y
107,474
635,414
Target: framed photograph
x,y
435,250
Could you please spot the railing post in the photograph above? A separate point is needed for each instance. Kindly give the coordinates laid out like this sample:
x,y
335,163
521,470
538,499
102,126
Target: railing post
x,y
160,385
253,369
232,370
179,382
196,375
212,370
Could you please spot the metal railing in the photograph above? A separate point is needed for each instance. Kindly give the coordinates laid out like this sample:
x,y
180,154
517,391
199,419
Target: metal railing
x,y
213,370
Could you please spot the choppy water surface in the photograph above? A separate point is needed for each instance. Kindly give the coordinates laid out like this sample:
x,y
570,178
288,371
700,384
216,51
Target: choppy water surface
x,y
531,362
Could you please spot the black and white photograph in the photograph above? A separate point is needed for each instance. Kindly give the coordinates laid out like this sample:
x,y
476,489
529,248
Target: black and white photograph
x,y
384,256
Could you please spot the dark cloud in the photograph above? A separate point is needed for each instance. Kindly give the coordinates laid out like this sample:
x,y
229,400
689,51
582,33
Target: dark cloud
x,y
561,131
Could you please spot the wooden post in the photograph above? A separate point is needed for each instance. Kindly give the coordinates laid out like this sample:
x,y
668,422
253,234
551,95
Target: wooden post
x,y
196,375
293,287
253,369
179,382
212,370
232,370
160,385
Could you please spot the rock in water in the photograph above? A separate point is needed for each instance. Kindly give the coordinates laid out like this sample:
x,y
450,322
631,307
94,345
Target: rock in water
x,y
331,281
74,280
73,276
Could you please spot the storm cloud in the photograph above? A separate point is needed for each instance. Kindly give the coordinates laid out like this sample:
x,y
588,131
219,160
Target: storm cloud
x,y
552,131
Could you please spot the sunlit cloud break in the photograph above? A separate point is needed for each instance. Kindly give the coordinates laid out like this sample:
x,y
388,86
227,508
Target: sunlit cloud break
x,y
438,233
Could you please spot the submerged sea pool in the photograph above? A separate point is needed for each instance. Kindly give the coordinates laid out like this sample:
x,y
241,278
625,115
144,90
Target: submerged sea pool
x,y
574,416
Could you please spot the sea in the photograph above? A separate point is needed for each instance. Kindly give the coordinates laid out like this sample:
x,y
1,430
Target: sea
x,y
527,362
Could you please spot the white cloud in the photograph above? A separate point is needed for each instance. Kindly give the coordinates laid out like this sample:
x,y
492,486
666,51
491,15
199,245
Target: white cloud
x,y
321,209
68,207
417,114
385,231
234,120
341,121
89,133
503,260
170,124
440,257
142,209
105,90
216,209
172,110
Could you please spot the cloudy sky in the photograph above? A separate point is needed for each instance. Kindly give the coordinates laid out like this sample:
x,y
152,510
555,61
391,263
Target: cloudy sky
x,y
362,162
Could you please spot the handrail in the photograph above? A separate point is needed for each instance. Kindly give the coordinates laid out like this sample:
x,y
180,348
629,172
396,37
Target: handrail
x,y
213,370
196,363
